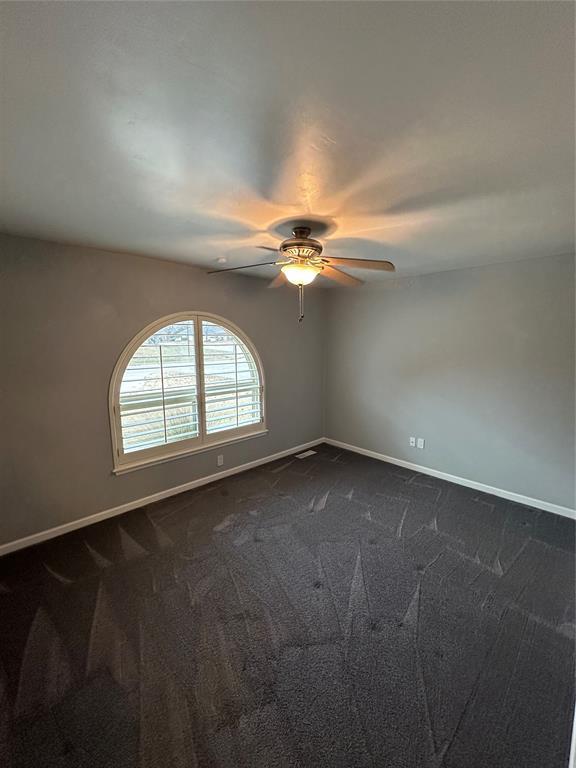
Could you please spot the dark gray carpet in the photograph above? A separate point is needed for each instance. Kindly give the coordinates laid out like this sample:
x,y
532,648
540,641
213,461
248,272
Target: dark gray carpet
x,y
331,611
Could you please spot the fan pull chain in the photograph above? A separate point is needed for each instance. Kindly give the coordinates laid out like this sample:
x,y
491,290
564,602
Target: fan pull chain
x,y
301,302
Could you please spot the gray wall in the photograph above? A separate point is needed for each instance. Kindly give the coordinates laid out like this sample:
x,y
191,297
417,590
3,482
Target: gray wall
x,y
479,362
67,313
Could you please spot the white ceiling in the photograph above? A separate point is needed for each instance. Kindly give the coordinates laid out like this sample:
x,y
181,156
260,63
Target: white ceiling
x,y
436,135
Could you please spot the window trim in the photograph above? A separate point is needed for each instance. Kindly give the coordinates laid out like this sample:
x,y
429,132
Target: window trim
x,y
127,462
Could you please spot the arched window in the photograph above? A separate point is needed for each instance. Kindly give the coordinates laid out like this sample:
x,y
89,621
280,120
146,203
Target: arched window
x,y
185,383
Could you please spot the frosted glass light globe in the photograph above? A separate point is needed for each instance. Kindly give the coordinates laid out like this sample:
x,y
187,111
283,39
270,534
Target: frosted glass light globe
x,y
300,274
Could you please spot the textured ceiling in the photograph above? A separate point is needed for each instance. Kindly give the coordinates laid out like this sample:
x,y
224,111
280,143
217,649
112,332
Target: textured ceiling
x,y
436,135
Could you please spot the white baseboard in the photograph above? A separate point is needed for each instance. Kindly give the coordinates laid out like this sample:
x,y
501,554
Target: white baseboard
x,y
37,538
519,498
572,760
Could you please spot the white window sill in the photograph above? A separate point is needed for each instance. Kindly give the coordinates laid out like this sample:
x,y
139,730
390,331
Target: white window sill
x,y
131,466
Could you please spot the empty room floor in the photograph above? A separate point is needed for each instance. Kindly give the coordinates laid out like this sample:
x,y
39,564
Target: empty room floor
x,y
327,611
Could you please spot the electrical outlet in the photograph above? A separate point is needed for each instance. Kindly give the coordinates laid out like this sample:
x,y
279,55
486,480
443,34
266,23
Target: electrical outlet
x,y
420,443
412,442
220,460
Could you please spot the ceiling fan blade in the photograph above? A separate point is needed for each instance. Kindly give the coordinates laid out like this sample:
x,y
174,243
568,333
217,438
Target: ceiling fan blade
x,y
279,280
385,266
340,277
267,248
232,269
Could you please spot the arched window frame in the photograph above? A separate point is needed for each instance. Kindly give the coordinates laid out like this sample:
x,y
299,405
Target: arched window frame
x,y
125,462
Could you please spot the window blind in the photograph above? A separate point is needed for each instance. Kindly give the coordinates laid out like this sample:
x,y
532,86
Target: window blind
x,y
188,381
231,381
158,394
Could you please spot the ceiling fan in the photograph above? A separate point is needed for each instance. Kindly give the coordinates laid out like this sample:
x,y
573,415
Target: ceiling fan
x,y
301,261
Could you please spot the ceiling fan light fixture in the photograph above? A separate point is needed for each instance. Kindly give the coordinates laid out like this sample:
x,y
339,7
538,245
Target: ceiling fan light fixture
x,y
301,262
300,274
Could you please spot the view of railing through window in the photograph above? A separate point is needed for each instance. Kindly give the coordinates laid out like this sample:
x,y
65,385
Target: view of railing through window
x,y
164,398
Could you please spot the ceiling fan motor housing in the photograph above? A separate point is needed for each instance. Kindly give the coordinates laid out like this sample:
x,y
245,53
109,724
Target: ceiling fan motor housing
x,y
301,245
